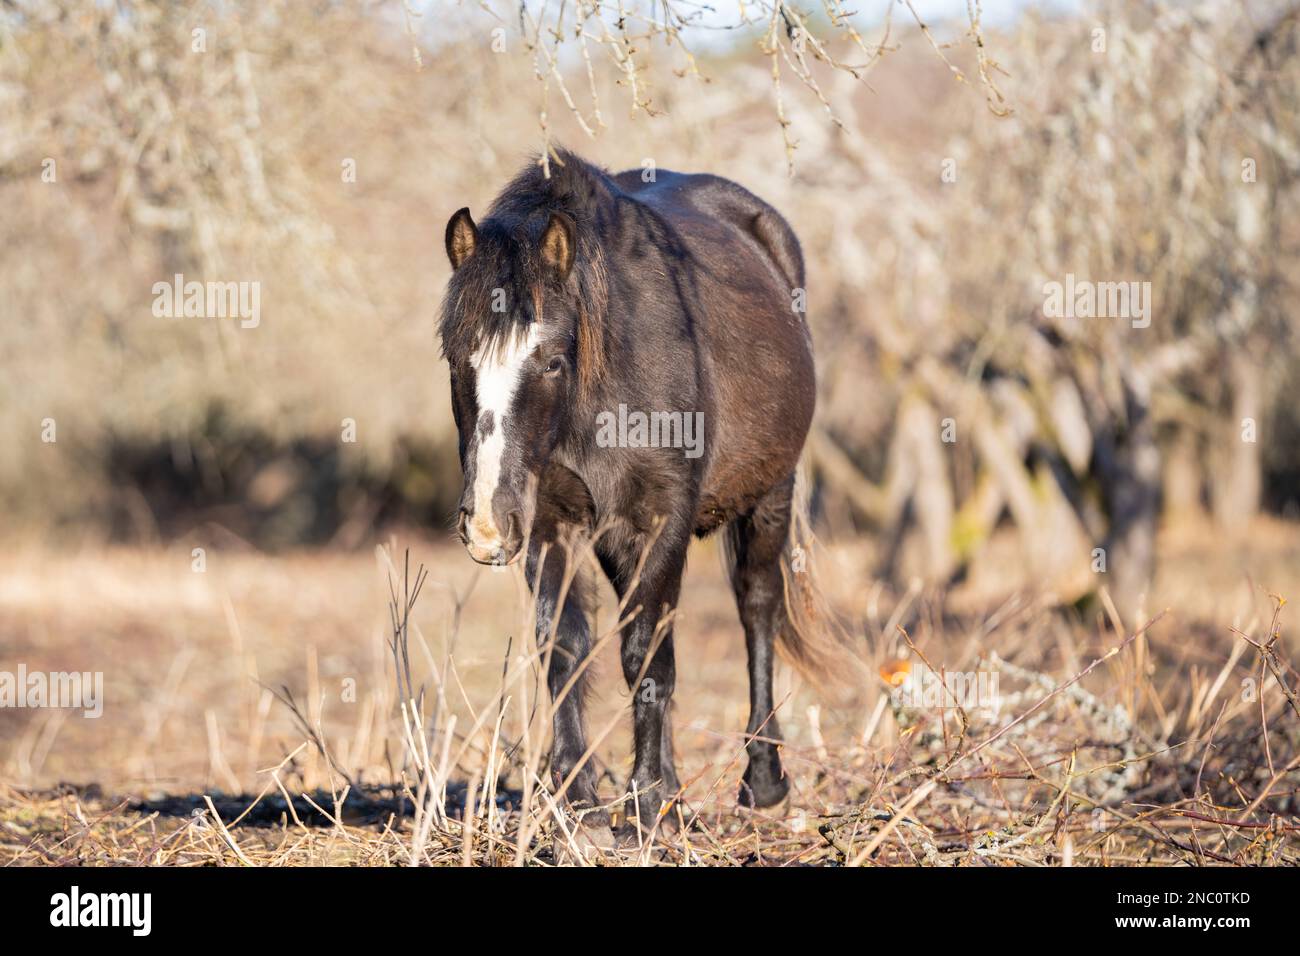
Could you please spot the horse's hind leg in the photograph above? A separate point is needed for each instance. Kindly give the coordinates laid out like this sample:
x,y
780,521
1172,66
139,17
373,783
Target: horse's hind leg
x,y
571,645
667,758
755,543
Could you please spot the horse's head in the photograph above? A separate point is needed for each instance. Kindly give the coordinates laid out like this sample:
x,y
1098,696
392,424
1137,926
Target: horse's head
x,y
518,335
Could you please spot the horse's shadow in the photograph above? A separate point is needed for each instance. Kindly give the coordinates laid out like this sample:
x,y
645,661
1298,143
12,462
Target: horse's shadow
x,y
363,805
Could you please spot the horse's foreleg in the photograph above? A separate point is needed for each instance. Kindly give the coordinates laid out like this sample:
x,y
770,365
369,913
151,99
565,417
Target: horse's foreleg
x,y
564,635
650,670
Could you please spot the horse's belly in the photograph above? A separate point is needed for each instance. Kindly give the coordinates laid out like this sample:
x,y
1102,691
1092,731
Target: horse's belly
x,y
760,385
762,422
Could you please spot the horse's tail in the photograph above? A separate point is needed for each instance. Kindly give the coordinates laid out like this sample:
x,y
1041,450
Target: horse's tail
x,y
810,633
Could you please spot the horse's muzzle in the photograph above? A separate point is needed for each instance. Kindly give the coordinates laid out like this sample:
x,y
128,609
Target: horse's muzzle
x,y
487,544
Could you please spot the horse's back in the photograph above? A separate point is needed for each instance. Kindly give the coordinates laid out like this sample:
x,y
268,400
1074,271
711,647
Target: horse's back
x,y
684,199
749,288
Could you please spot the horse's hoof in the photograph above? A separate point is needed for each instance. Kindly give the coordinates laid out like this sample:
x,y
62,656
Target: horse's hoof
x,y
758,791
590,841
658,825
644,848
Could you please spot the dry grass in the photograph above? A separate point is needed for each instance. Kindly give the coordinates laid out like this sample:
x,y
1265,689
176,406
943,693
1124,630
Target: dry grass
x,y
1154,755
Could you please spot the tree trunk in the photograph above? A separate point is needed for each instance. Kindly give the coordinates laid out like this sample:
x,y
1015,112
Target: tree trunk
x,y
1237,479
1129,468
1184,479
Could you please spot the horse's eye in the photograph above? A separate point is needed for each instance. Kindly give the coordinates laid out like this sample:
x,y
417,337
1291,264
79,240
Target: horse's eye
x,y
554,365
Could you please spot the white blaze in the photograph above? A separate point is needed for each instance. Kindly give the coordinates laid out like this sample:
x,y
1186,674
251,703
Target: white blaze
x,y
497,371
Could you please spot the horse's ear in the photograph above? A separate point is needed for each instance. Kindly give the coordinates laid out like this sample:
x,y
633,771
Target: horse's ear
x,y
462,237
558,243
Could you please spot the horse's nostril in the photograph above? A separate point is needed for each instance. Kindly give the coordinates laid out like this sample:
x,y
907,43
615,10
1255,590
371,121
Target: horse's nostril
x,y
514,526
462,521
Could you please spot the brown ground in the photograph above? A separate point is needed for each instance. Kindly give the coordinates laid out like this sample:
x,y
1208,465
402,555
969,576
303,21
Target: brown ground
x,y
1156,755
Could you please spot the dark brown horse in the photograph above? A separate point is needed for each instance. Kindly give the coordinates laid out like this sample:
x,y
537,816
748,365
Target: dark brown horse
x,y
630,361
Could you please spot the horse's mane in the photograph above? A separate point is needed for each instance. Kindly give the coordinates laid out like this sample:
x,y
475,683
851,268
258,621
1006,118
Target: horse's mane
x,y
508,257
573,186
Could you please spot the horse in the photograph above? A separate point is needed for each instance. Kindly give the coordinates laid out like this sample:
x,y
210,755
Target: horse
x,y
584,294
